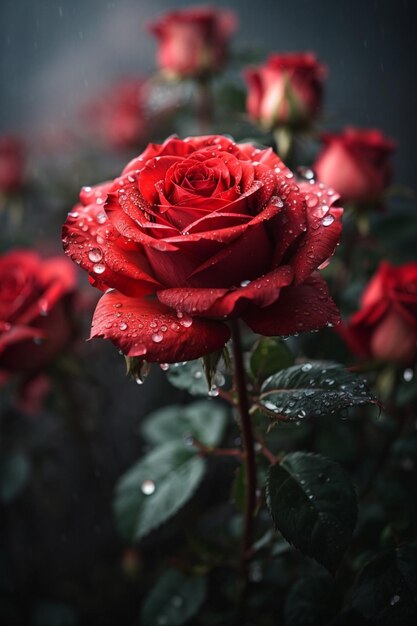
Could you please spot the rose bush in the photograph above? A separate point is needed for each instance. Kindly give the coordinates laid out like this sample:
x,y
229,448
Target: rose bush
x,y
193,43
285,90
386,325
35,321
216,230
356,163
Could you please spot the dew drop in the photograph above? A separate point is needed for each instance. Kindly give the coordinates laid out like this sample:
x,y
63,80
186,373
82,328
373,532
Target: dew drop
x,y
123,326
157,337
306,367
186,321
164,366
99,268
329,219
101,217
245,283
394,600
95,255
408,375
148,487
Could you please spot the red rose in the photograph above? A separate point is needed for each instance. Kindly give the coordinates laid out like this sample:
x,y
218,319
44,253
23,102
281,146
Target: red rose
x,y
285,90
386,326
120,116
216,230
34,319
356,163
193,43
12,163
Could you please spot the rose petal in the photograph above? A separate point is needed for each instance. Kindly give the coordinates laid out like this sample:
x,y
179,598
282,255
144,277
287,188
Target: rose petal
x,y
227,302
324,228
147,328
89,239
298,309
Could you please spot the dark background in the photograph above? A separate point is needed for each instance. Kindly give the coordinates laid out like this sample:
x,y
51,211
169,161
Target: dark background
x,y
53,53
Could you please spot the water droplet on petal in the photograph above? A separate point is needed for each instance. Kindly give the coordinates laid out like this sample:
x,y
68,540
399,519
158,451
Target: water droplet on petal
x,y
395,599
164,366
329,219
306,367
157,337
95,255
123,326
99,268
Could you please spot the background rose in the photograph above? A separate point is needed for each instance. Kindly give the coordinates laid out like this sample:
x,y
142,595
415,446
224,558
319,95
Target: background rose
x,y
217,230
356,163
194,42
35,323
386,325
12,162
285,90
119,116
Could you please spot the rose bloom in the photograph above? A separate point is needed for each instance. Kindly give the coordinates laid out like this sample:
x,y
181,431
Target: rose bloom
x,y
198,231
285,91
386,325
193,43
356,163
119,116
35,322
12,162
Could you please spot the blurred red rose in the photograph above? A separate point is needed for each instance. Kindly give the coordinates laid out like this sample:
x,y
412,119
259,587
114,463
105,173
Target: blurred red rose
x,y
216,230
119,116
386,325
35,323
356,163
193,43
12,162
285,90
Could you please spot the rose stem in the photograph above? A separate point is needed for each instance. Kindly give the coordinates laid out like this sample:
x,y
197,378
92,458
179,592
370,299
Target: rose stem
x,y
248,456
204,106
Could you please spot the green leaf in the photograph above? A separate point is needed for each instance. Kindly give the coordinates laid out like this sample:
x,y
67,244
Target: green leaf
x,y
14,474
312,601
386,589
313,389
268,356
313,504
174,599
205,420
155,488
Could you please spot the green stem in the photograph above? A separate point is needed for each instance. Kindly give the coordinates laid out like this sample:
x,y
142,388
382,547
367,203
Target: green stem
x,y
248,445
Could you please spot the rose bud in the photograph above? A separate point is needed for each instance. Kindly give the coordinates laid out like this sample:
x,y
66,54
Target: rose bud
x,y
12,162
356,163
35,322
385,327
193,43
198,231
285,91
